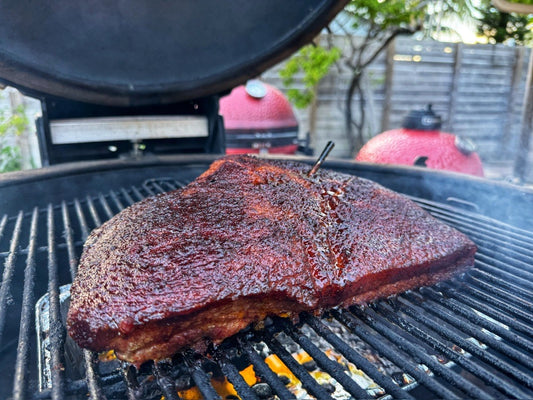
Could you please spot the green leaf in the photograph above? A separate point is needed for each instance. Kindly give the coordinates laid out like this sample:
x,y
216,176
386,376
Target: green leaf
x,y
313,63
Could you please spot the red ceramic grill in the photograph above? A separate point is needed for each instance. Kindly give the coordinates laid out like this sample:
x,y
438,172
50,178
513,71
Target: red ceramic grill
x,y
112,78
259,119
421,142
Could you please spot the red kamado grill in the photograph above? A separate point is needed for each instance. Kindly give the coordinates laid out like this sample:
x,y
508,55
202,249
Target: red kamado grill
x,y
112,78
258,118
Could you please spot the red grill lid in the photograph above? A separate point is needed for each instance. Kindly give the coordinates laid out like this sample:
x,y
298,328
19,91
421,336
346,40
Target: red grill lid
x,y
138,52
244,110
439,150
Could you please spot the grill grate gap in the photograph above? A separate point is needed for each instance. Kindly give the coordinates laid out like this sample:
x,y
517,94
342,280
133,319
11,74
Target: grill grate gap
x,y
453,333
496,303
389,331
20,380
474,331
7,275
432,334
331,367
233,375
400,358
501,284
265,373
353,356
308,383
463,306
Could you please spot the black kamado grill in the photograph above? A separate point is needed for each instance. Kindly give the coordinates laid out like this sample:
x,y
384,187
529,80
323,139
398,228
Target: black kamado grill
x,y
112,78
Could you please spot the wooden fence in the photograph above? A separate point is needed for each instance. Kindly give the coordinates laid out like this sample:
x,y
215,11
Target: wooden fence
x,y
477,89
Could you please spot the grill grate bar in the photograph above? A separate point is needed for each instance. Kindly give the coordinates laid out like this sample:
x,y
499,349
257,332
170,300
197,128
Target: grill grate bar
x,y
264,372
399,358
308,382
130,377
460,214
19,384
67,235
88,357
334,369
126,196
355,358
502,305
513,267
388,330
93,212
164,381
91,376
428,336
437,326
462,309
235,377
495,271
509,289
466,326
81,219
506,256
156,186
7,275
148,190
3,223
137,193
77,387
500,283
488,235
105,205
504,295
174,184
57,330
202,381
117,201
499,246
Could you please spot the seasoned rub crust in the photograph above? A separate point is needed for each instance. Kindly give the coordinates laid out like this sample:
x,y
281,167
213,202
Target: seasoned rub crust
x,y
247,239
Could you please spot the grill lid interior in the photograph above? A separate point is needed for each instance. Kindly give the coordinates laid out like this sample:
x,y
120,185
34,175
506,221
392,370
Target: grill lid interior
x,y
139,52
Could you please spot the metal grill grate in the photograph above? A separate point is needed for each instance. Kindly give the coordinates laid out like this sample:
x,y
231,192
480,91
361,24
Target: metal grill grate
x,y
467,337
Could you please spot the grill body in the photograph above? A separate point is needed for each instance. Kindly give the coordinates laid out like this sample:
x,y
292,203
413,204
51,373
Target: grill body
x,y
468,337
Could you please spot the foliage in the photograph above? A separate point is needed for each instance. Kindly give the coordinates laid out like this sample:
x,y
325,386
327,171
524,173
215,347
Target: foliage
x,y
444,16
12,124
314,62
380,21
500,27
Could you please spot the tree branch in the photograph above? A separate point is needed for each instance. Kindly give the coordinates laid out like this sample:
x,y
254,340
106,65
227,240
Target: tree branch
x,y
386,42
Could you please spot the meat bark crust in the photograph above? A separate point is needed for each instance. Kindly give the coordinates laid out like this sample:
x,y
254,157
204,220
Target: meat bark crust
x,y
247,239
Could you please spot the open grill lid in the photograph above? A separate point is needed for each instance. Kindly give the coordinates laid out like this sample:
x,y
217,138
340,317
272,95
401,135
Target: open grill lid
x,y
138,52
